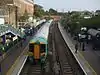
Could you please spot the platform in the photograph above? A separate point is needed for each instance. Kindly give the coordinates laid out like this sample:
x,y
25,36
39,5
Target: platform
x,y
79,56
19,63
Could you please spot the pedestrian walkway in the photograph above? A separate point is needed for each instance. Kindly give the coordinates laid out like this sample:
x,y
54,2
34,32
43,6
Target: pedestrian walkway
x,y
80,55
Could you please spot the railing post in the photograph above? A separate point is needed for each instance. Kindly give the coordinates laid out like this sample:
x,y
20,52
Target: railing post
x,y
0,69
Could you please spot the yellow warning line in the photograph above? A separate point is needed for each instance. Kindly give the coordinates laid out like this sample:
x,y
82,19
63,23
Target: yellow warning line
x,y
94,73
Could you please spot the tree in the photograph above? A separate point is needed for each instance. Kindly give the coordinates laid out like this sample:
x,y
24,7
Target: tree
x,y
92,22
38,10
25,17
52,11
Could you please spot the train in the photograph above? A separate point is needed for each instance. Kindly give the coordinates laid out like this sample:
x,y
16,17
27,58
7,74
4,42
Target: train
x,y
30,28
38,45
94,38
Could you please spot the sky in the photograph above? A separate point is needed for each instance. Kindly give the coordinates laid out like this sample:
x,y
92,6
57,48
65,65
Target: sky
x,y
69,5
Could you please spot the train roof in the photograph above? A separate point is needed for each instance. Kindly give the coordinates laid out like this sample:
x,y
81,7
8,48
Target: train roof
x,y
40,40
93,32
42,34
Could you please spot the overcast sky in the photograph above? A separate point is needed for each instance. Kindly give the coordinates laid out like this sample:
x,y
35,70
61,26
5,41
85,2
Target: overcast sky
x,y
69,5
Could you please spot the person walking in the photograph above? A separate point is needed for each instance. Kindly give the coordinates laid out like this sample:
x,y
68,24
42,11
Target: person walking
x,y
76,47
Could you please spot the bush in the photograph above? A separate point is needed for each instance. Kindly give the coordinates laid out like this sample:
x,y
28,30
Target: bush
x,y
92,22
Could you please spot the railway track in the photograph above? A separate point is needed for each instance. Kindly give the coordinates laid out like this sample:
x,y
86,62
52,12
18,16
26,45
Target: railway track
x,y
64,58
61,54
30,69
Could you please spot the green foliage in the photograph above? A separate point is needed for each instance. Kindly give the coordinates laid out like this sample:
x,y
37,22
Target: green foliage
x,y
70,20
74,27
38,11
24,17
92,22
52,11
75,21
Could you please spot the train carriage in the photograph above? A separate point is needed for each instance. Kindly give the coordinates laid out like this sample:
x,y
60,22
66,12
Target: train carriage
x,y
38,45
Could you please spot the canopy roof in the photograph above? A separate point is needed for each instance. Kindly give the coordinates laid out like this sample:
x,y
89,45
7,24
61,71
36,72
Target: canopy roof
x,y
93,32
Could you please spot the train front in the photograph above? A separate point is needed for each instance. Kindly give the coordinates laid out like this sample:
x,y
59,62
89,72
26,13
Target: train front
x,y
38,50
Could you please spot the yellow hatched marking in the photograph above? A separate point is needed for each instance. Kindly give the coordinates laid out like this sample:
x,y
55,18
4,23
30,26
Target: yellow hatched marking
x,y
94,73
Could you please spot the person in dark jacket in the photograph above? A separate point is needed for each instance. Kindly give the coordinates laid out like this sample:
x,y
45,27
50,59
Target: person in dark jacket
x,y
83,46
76,47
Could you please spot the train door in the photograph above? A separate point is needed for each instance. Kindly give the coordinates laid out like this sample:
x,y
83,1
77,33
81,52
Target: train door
x,y
36,51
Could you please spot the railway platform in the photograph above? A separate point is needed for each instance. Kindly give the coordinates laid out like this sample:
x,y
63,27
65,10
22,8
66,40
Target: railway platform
x,y
87,60
18,64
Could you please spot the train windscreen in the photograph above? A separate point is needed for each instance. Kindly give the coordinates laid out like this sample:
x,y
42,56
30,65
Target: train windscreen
x,y
42,48
31,47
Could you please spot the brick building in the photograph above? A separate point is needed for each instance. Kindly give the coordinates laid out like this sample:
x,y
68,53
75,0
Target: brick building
x,y
13,9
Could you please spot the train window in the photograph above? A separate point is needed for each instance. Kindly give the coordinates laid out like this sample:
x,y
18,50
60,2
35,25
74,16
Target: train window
x,y
42,48
31,47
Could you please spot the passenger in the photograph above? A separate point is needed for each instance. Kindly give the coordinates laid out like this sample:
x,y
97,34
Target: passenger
x,y
83,47
76,47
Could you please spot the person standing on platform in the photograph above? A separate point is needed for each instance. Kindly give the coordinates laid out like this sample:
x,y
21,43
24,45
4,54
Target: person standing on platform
x,y
83,46
76,47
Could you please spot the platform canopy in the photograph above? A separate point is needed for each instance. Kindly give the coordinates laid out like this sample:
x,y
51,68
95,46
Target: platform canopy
x,y
93,32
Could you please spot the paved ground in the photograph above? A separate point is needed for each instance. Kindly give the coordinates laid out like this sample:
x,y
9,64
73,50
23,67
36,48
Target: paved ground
x,y
92,56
